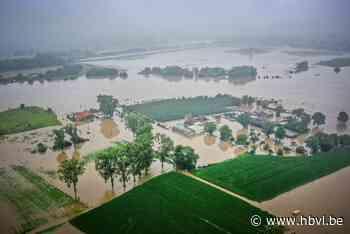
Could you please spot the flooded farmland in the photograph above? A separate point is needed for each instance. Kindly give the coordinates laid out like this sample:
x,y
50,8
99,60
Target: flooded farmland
x,y
318,89
327,93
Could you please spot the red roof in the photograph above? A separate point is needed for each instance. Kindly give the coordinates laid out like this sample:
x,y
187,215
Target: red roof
x,y
83,115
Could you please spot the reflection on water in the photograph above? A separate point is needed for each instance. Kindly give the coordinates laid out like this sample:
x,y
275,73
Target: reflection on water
x,y
329,95
62,156
209,140
108,195
224,146
341,127
76,155
109,128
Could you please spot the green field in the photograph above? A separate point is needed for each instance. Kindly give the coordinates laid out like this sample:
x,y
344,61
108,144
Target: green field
x,y
264,177
172,109
35,201
171,203
25,119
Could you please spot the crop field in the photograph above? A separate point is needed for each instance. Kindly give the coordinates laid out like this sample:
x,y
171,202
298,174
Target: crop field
x,y
262,178
25,119
173,109
171,203
35,201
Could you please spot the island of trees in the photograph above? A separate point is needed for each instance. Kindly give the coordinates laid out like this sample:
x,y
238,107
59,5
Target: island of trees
x,y
39,60
211,72
66,72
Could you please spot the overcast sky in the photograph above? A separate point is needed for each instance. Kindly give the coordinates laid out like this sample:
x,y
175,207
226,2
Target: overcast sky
x,y
92,23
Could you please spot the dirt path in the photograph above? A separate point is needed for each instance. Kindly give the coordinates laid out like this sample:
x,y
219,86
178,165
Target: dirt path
x,y
253,203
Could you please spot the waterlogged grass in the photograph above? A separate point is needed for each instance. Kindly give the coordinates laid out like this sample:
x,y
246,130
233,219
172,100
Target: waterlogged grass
x,y
25,119
172,109
34,199
264,177
171,203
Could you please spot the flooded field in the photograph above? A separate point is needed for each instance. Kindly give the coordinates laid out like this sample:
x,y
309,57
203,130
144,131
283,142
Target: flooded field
x,y
328,93
325,196
318,89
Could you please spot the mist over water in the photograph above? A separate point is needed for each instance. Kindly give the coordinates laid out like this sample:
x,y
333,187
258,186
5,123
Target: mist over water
x,y
86,24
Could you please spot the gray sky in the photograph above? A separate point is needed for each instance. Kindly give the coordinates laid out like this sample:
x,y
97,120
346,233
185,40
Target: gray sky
x,y
43,24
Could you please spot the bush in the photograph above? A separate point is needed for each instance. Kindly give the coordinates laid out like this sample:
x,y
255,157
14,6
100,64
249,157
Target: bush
x,y
42,148
300,150
242,139
280,152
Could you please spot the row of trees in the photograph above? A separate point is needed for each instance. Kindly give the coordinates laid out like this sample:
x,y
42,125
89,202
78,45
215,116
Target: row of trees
x,y
132,160
60,142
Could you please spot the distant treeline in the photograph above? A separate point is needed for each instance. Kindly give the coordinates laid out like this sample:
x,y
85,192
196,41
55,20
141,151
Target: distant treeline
x,y
67,72
39,60
105,72
233,73
337,62
178,108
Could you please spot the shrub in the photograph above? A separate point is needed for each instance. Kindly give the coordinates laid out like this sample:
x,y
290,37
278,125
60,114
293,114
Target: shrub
x,y
42,148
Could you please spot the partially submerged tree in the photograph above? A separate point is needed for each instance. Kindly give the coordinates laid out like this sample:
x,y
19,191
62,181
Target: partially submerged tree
x,y
135,121
72,131
244,119
106,166
280,134
225,133
69,172
318,118
165,149
107,104
268,129
59,141
122,163
144,143
343,117
210,128
184,158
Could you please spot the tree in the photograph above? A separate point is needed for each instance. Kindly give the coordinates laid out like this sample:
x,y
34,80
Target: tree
x,y
144,144
107,104
318,118
135,162
210,128
253,137
298,112
244,119
59,142
280,133
184,158
72,131
166,147
247,100
106,166
135,121
225,133
268,129
313,143
242,139
122,162
69,172
343,117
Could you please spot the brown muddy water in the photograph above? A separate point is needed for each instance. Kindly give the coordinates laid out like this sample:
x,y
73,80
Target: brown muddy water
x,y
328,195
328,93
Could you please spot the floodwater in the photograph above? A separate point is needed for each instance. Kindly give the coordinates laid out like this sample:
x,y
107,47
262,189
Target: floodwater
x,y
318,89
328,93
326,196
